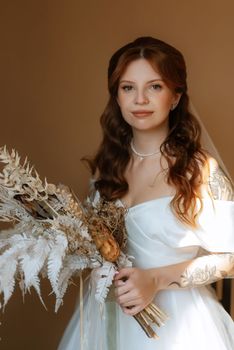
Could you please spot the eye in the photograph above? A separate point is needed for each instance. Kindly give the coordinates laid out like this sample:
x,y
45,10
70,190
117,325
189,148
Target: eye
x,y
156,87
126,87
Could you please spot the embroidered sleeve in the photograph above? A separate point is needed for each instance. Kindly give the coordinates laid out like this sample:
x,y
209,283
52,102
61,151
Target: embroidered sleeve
x,y
205,270
220,185
208,269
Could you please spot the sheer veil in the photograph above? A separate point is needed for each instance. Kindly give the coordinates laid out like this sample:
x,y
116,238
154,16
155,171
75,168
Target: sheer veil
x,y
207,142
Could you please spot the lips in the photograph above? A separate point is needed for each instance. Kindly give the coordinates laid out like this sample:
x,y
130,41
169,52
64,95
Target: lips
x,y
142,113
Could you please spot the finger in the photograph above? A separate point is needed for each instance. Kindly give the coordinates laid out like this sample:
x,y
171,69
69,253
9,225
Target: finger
x,y
119,283
133,310
131,303
126,298
121,290
123,273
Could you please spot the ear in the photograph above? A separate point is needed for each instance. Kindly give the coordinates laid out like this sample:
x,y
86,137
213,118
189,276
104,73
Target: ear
x,y
175,100
177,97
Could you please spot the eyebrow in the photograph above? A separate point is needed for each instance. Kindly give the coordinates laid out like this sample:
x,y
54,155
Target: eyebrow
x,y
150,81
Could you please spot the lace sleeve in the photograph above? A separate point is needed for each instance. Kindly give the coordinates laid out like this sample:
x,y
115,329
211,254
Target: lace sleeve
x,y
220,185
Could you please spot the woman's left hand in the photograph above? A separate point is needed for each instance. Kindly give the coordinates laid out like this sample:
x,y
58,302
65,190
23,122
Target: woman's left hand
x,y
134,289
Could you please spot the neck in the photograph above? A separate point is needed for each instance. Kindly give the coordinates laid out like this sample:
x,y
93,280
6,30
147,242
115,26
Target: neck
x,y
148,141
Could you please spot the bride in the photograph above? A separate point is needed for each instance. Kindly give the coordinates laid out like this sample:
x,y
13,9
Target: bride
x,y
180,210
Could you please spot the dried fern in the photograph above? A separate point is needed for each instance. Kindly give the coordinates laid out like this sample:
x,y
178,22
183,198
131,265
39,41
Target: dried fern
x,y
52,236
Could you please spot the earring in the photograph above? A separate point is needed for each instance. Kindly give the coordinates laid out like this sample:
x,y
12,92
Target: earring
x,y
173,106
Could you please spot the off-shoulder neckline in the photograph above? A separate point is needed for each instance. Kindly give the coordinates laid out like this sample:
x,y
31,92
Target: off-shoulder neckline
x,y
158,199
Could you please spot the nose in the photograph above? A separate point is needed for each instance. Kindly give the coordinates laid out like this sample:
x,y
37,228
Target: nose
x,y
141,97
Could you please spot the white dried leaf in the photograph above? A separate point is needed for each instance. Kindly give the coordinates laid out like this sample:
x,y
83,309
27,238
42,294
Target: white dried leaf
x,y
8,266
55,260
102,278
32,262
71,265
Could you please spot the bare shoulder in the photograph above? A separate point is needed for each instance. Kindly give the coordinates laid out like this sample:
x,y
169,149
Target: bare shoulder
x,y
218,183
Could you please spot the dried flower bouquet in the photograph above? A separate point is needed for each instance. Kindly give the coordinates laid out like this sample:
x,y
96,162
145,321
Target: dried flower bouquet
x,y
55,236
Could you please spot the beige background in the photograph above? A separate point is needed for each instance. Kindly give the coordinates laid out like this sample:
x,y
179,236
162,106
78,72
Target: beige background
x,y
53,64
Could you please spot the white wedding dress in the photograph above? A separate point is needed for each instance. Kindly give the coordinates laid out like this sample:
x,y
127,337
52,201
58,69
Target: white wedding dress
x,y
196,319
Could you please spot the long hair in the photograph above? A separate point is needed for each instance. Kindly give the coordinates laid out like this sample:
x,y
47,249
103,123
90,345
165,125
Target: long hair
x,y
181,148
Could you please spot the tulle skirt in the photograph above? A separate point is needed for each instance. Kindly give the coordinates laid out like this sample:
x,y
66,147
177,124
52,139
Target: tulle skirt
x,y
196,321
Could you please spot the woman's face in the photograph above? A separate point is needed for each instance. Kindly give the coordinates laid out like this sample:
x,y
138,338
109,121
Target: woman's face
x,y
143,97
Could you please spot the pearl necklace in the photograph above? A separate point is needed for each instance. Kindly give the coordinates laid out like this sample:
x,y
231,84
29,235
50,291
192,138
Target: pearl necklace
x,y
142,155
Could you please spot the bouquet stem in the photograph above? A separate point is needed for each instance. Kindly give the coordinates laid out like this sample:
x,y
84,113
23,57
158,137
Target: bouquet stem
x,y
150,316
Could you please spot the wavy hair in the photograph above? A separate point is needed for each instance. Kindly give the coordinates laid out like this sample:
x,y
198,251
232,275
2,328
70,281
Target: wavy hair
x,y
181,148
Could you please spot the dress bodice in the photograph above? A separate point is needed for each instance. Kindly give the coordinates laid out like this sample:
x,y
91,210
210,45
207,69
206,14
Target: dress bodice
x,y
156,237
